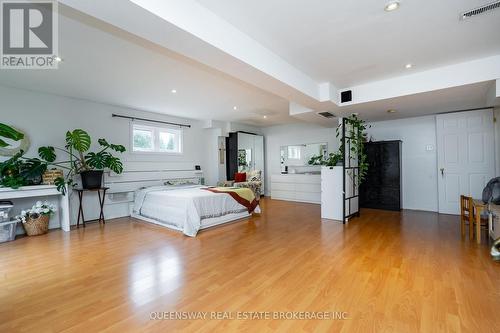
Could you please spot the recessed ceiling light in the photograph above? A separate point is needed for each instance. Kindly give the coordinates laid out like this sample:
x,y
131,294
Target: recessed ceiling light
x,y
408,66
265,117
390,6
173,91
235,108
391,111
58,59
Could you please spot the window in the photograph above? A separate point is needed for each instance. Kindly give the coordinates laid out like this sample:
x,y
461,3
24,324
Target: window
x,y
294,152
154,139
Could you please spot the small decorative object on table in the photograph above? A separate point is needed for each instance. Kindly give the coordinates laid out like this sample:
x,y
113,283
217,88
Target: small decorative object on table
x,y
36,220
49,177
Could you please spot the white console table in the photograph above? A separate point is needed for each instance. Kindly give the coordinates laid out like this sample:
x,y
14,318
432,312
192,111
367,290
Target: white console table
x,y
41,191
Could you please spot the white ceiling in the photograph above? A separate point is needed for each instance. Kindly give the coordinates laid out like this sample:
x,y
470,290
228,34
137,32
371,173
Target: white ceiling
x,y
107,65
162,45
460,98
354,42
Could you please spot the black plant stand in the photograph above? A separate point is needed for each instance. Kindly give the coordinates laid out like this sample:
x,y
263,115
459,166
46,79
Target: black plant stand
x,y
101,204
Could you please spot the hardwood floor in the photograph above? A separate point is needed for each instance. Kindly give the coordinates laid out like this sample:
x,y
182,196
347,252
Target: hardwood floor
x,y
389,271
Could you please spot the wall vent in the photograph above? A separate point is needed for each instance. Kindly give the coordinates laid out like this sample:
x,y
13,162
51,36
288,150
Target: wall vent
x,y
480,10
326,114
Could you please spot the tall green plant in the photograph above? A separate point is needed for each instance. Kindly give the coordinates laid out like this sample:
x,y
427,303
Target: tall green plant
x,y
355,131
78,143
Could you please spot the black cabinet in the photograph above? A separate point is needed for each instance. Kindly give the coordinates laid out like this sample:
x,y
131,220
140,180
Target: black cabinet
x,y
231,155
244,153
381,189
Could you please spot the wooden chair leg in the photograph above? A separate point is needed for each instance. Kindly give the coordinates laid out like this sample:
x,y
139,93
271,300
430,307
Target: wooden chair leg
x,y
471,226
478,226
462,225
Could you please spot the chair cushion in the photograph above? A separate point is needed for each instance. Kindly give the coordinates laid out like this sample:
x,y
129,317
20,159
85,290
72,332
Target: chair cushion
x,y
254,186
254,176
240,177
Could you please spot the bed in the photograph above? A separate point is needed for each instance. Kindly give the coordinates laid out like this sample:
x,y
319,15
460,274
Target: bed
x,y
189,208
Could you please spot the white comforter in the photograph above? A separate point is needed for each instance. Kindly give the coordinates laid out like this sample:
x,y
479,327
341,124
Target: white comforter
x,y
184,207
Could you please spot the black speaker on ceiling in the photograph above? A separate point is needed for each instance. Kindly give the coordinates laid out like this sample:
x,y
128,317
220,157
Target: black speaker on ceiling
x,y
346,96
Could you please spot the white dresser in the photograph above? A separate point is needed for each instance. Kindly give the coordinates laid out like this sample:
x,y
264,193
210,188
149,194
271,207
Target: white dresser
x,y
296,187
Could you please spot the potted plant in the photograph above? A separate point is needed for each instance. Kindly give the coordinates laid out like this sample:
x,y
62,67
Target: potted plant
x,y
333,159
89,165
36,220
18,170
316,160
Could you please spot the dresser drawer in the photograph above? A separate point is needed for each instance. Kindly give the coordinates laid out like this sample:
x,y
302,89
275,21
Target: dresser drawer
x,y
309,188
308,197
284,195
282,187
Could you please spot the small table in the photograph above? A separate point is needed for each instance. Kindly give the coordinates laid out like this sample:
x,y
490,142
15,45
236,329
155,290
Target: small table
x,y
101,203
478,207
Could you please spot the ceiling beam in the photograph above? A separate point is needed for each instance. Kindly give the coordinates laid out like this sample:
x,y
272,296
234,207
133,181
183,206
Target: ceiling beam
x,y
481,70
192,31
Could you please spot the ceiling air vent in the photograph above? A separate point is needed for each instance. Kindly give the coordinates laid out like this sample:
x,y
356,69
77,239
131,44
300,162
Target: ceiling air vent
x,y
480,10
326,114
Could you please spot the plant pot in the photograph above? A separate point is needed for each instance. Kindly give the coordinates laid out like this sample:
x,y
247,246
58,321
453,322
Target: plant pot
x,y
91,179
38,226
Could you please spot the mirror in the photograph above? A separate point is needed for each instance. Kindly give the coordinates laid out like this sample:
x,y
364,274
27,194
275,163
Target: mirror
x,y
244,160
294,156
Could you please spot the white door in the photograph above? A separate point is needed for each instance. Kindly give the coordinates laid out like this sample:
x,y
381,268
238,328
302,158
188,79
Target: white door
x,y
466,156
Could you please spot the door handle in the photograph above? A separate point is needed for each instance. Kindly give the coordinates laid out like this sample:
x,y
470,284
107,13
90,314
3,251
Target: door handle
x,y
442,171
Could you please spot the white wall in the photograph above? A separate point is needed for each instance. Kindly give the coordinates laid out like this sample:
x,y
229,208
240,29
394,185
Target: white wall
x,y
419,166
46,118
284,135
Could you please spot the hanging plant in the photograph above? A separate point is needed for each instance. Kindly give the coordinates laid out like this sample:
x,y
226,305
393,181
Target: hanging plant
x,y
355,130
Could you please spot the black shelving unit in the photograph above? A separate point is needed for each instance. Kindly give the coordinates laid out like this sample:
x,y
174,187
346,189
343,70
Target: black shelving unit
x,y
382,187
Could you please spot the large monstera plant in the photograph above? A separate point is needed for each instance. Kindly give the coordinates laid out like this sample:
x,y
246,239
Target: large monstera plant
x,y
80,159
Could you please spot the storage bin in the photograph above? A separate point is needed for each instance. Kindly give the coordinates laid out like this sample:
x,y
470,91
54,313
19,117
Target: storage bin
x,y
8,231
5,207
